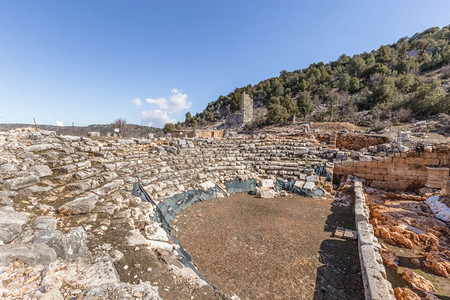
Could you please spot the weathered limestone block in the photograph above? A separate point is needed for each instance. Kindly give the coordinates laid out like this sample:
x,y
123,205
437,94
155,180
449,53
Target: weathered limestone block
x,y
31,254
41,170
71,245
207,185
267,194
312,178
76,166
81,205
109,187
267,184
11,224
43,236
8,169
155,232
44,223
4,198
21,182
80,273
299,184
136,238
40,147
309,186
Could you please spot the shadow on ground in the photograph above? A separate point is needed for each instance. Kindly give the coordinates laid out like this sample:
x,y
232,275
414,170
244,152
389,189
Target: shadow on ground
x,y
340,276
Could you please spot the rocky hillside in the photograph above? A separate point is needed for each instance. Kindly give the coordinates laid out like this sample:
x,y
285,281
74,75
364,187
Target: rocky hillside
x,y
397,82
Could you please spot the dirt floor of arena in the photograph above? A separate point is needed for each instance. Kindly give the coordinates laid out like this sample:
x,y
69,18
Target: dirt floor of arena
x,y
273,248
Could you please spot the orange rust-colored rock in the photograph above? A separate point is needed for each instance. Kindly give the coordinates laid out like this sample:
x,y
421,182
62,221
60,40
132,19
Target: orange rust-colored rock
x,y
418,282
405,294
438,262
389,258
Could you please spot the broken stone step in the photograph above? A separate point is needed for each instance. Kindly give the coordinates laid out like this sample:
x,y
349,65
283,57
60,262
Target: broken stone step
x,y
21,182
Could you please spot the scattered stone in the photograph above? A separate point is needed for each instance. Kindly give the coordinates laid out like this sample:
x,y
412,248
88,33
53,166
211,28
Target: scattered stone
x,y
405,294
268,194
30,254
121,291
299,184
21,182
207,185
312,178
390,259
41,147
403,148
53,294
79,273
438,262
116,255
267,184
11,224
71,245
44,223
418,282
81,205
41,170
309,186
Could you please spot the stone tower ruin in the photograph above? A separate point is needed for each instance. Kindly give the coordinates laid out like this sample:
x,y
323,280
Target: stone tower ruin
x,y
246,108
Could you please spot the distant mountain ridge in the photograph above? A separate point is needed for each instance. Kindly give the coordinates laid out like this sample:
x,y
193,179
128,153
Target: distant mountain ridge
x,y
410,78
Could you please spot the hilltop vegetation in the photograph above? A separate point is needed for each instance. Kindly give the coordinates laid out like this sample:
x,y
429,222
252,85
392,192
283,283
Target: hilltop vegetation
x,y
395,82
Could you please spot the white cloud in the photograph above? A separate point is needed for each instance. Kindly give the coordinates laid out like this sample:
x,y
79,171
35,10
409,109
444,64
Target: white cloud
x,y
176,102
156,118
137,102
59,123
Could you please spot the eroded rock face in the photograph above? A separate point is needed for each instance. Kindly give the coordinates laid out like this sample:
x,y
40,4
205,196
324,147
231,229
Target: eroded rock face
x,y
418,282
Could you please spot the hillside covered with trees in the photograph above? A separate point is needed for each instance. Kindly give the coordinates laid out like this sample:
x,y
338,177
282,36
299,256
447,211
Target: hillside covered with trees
x,y
410,78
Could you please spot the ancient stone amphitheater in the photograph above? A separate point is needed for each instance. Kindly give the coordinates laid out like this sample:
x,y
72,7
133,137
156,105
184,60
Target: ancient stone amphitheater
x,y
70,227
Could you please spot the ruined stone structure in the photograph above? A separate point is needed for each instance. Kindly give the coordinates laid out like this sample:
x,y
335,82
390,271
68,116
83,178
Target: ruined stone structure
x,y
401,171
245,116
58,192
246,108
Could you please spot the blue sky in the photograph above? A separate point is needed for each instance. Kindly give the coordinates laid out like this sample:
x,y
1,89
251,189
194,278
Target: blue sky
x,y
92,62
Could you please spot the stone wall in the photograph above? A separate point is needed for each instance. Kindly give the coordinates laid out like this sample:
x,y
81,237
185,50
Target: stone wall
x,y
376,286
246,108
401,171
356,142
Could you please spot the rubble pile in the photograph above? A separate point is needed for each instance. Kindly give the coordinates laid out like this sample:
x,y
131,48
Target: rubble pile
x,y
407,221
